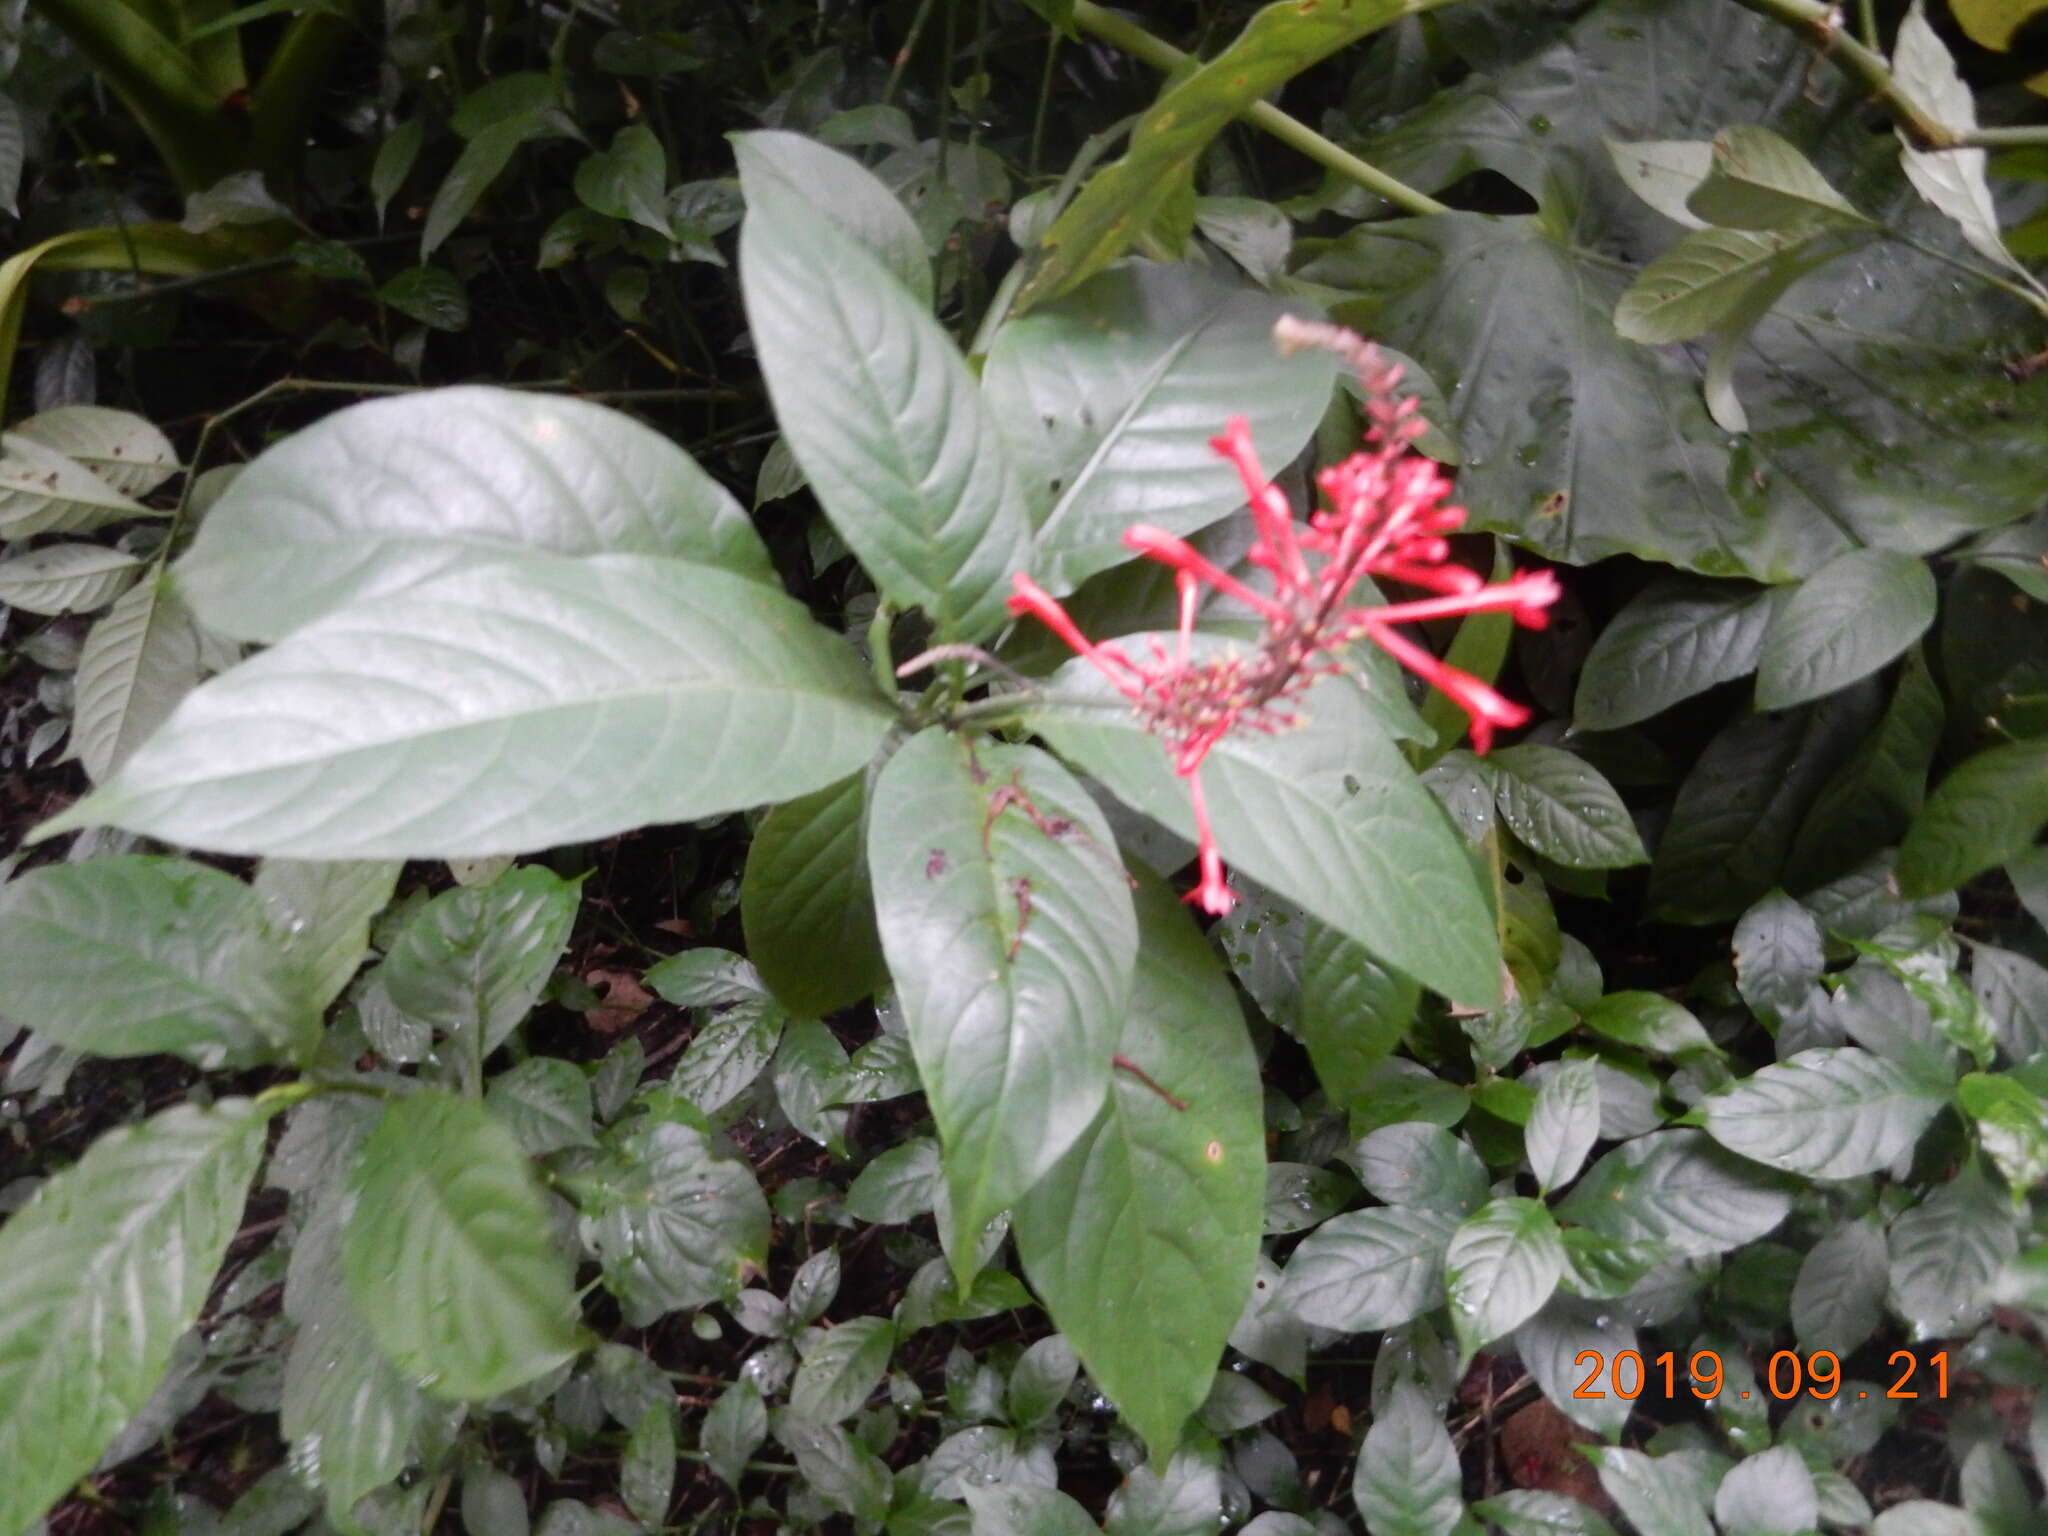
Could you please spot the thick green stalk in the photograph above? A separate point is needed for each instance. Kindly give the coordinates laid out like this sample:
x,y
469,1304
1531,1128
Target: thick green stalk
x,y
1120,32
285,98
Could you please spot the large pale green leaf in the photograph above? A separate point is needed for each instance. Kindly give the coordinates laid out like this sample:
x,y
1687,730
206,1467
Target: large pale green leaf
x,y
1843,622
1553,1345
1121,200
130,955
1563,1124
883,416
805,903
504,708
1329,815
383,496
1143,1238
1984,813
138,661
471,963
44,491
1368,1270
1009,929
99,1275
1501,1267
1715,279
449,1252
1838,1296
1662,1496
1946,1251
787,167
1779,955
841,1367
675,1222
1678,637
1108,400
1677,1187
1830,1113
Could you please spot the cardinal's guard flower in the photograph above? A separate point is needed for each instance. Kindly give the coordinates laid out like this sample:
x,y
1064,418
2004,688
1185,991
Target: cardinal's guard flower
x,y
1386,518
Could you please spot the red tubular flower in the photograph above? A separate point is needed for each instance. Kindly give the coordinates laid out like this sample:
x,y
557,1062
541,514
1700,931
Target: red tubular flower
x,y
1386,518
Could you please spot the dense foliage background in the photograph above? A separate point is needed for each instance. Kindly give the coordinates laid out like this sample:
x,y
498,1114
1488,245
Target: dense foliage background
x,y
1640,1125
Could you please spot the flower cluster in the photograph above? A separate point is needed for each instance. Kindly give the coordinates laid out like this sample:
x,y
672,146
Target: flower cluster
x,y
1386,518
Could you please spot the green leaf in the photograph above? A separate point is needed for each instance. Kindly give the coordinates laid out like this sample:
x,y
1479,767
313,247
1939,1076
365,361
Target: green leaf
x,y
1714,279
1779,955
1946,1252
1122,199
1143,1237
1330,816
1043,1376
432,748
1527,1512
1019,1509
319,917
674,1222
1561,806
433,296
628,180
787,168
1009,929
1564,1124
1759,181
729,1052
1677,1187
1725,844
1353,1010
836,1467
124,450
733,1430
45,491
449,1251
842,1366
647,1470
1664,173
1368,1270
471,963
1649,1022
346,1411
2012,1126
1766,1494
883,416
482,161
1501,1266
1872,799
1842,623
1656,1493
1676,638
1553,1345
66,578
493,1503
395,158
1986,812
129,955
100,1273
138,661
1107,400
805,903
382,496
1830,1113
1422,1166
1407,1481
1953,180
546,1103
2013,991
1838,1297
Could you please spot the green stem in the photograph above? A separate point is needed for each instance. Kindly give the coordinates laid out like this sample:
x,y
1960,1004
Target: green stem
x,y
1133,39
879,655
283,102
2034,298
902,59
1866,11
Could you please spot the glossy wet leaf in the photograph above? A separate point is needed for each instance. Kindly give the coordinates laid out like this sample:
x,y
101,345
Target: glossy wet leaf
x,y
1656,1493
432,722
1552,1345
1008,926
883,416
1501,1266
841,1367
1677,1187
143,656
449,1251
1830,1113
99,1275
546,1103
1353,1010
1842,623
788,168
1564,1124
1986,812
1562,806
1422,1166
385,495
1946,1251
733,1430
1142,1238
1407,1481
1369,1270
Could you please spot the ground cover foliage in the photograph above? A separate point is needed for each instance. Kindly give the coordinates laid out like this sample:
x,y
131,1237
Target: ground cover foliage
x,y
580,953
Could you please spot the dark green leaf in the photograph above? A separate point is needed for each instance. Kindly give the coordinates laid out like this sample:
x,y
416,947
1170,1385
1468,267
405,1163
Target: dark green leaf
x,y
1984,813
1838,1299
1008,926
1846,620
628,180
1872,799
1677,638
431,295
1561,806
1142,1239
733,1430
1353,1010
1659,1494
805,903
1946,1251
546,1103
841,1367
